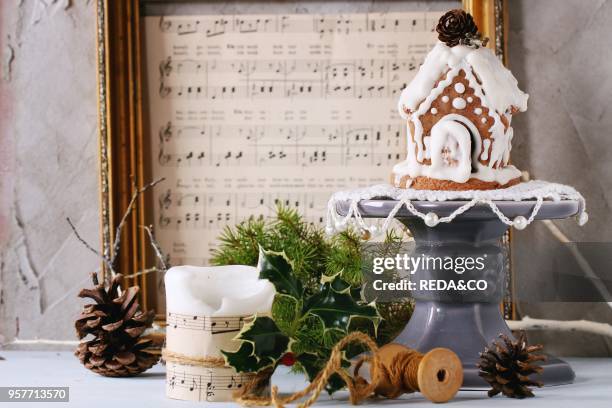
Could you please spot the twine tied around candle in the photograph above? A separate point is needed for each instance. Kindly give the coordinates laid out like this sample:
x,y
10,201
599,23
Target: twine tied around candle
x,y
206,361
257,386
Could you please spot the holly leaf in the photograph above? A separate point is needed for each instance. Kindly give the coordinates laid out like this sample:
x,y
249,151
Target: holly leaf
x,y
263,344
266,337
275,267
244,359
336,307
285,312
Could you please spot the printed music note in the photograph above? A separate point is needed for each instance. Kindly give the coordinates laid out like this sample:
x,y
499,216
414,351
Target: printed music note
x,y
293,78
193,385
188,322
283,153
164,24
347,24
214,325
226,325
202,383
245,112
210,387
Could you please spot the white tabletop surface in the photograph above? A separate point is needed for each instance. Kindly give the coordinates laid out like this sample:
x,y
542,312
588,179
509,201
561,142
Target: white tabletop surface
x,y
592,388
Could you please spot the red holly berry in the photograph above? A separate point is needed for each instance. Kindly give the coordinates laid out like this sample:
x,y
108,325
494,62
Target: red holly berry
x,y
288,359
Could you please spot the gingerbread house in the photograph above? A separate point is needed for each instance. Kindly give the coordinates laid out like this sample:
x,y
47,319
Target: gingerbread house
x,y
459,108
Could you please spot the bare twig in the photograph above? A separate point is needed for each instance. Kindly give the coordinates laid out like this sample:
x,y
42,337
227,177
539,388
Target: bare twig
x,y
528,323
143,272
583,263
110,262
105,259
156,247
117,243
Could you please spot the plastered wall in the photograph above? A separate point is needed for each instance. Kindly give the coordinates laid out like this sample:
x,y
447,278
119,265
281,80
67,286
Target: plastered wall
x,y
48,164
560,53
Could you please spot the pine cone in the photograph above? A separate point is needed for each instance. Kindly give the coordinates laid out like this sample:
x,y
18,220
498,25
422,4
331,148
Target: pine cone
x,y
116,324
458,27
506,365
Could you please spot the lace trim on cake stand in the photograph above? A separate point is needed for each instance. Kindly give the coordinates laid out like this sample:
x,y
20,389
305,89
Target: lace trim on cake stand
x,y
532,190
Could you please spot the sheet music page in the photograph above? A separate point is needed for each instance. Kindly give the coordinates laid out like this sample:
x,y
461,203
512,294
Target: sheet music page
x,y
249,110
202,336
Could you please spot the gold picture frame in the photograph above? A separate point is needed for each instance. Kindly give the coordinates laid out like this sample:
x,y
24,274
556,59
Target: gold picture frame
x,y
121,126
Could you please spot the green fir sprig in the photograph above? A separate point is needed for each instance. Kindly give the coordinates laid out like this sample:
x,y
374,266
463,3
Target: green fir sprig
x,y
311,252
310,260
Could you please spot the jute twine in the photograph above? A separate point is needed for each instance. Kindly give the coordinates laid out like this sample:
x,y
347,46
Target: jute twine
x,y
359,388
206,361
397,378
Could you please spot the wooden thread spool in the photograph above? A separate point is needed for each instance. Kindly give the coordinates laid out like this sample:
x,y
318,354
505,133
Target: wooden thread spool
x,y
437,374
395,370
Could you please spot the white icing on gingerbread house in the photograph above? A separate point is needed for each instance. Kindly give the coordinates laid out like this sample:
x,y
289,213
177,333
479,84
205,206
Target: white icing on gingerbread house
x,y
473,96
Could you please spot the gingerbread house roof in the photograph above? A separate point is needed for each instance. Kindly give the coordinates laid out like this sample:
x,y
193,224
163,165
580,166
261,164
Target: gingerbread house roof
x,y
499,86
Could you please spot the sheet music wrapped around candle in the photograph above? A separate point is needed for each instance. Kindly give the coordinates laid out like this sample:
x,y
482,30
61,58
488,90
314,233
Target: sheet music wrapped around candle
x,y
206,308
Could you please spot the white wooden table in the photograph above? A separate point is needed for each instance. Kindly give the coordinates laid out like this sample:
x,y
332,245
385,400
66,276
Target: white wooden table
x,y
592,388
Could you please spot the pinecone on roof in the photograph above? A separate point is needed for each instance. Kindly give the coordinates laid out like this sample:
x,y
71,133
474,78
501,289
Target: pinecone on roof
x,y
114,325
458,27
506,365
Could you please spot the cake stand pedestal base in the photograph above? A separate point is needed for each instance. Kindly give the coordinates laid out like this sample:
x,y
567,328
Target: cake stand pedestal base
x,y
467,329
465,321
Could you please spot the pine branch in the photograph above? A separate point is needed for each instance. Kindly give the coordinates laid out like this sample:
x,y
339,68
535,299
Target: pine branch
x,y
291,220
345,257
240,244
395,316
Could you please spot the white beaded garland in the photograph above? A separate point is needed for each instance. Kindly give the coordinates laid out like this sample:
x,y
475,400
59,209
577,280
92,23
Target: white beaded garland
x,y
340,226
519,222
529,190
583,218
445,99
431,219
366,235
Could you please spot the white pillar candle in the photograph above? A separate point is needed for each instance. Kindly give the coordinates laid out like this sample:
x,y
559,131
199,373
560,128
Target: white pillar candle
x,y
232,290
205,309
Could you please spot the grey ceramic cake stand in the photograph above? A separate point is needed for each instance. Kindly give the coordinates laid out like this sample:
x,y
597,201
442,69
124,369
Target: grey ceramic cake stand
x,y
465,321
